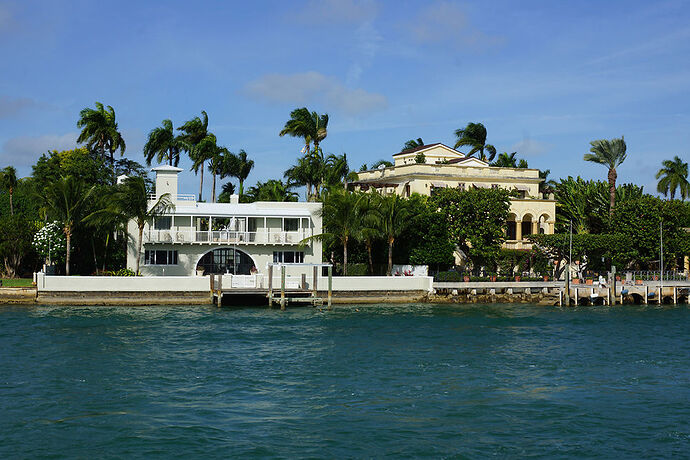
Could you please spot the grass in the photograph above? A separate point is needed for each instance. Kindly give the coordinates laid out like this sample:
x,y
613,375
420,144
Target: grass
x,y
17,282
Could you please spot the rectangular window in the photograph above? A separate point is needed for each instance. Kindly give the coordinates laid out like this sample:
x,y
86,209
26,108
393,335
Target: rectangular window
x,y
290,225
160,257
288,257
162,223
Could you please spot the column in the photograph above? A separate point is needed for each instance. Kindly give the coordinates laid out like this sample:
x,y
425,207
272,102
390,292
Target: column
x,y
535,227
518,229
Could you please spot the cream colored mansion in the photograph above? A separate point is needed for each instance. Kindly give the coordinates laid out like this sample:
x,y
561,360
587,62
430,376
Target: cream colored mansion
x,y
530,212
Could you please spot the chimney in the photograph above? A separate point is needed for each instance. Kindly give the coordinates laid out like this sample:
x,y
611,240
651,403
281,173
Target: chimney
x,y
166,181
234,199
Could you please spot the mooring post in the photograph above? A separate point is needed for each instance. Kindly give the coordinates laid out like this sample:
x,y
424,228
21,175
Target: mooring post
x,y
660,298
560,297
330,285
314,286
576,294
304,281
282,287
675,296
646,294
567,288
270,285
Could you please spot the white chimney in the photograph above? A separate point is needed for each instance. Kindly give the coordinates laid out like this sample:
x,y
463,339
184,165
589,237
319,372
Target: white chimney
x,y
166,181
234,199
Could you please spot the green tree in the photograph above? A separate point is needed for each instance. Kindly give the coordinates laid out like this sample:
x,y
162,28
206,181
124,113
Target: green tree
x,y
226,191
68,200
384,163
609,153
474,136
217,166
100,132
131,201
505,160
420,158
194,132
309,172
413,144
341,219
271,190
476,219
393,219
310,126
8,181
16,234
239,166
163,145
431,241
673,176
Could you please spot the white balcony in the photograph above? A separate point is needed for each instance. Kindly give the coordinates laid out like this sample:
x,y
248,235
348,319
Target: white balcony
x,y
262,236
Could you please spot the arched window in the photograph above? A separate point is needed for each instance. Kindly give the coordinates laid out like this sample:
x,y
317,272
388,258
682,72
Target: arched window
x,y
226,260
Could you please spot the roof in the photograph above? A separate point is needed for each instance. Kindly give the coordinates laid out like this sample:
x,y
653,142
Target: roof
x,y
167,168
416,149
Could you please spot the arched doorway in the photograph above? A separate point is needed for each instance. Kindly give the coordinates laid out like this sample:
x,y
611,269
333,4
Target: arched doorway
x,y
226,260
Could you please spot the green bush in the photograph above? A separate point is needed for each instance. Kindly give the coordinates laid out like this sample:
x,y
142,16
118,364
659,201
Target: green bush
x,y
449,276
357,269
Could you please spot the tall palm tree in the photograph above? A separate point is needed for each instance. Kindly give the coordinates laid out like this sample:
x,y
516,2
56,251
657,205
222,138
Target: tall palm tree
x,y
413,144
336,170
163,145
202,152
217,166
310,126
131,201
474,136
68,200
368,230
239,166
393,219
610,153
673,175
194,131
309,172
226,191
99,131
341,219
8,181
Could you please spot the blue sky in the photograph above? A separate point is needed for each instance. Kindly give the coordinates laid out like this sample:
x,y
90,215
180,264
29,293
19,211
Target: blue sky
x,y
544,77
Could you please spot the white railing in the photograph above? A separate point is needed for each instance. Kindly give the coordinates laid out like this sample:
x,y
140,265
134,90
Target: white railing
x,y
263,236
174,198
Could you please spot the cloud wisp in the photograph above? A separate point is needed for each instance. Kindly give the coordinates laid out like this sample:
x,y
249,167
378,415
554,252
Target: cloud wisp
x,y
23,151
530,148
9,107
315,88
445,21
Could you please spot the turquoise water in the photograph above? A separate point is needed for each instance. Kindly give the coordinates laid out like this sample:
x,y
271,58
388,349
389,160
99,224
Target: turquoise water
x,y
397,381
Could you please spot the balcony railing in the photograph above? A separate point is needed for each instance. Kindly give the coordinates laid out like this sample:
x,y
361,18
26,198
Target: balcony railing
x,y
176,198
226,237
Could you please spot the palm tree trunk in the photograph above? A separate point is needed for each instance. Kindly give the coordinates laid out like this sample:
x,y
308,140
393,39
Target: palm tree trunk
x,y
170,156
345,257
141,236
201,182
390,256
93,252
612,189
371,262
11,205
68,235
241,188
105,251
213,195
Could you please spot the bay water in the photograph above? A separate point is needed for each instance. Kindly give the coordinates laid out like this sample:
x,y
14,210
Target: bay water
x,y
399,381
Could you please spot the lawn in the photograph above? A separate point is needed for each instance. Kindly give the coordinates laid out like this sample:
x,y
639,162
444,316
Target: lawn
x,y
17,282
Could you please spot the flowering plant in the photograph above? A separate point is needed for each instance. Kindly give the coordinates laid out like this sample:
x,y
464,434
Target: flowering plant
x,y
50,242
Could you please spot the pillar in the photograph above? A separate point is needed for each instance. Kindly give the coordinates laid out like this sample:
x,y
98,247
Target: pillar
x,y
535,227
518,229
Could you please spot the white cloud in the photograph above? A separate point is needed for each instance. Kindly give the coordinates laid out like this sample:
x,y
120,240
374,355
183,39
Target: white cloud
x,y
10,107
23,151
315,88
530,148
338,11
445,21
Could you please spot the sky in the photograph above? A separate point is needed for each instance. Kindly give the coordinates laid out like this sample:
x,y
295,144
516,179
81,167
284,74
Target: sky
x,y
544,77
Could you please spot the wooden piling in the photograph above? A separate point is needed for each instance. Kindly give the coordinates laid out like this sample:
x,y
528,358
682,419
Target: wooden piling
x,y
282,287
314,286
646,294
270,285
330,285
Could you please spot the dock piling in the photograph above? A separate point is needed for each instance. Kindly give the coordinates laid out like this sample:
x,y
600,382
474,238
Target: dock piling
x,y
330,285
282,287
270,286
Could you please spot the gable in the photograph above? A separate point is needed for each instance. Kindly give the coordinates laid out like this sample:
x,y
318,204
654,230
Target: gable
x,y
476,162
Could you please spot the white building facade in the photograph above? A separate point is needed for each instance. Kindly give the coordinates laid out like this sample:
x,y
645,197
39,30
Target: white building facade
x,y
219,238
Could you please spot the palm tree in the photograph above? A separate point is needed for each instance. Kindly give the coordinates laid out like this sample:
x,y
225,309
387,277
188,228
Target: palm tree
x,y
506,160
368,230
474,136
8,181
163,144
68,200
673,175
341,219
384,163
393,219
217,166
99,131
610,153
226,191
239,166
194,131
413,144
336,170
309,172
131,201
202,152
310,126
271,190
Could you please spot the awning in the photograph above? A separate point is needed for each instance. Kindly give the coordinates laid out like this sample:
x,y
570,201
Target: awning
x,y
439,185
482,185
522,188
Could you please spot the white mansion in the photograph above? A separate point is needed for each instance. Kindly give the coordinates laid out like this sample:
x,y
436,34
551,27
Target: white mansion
x,y
238,238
